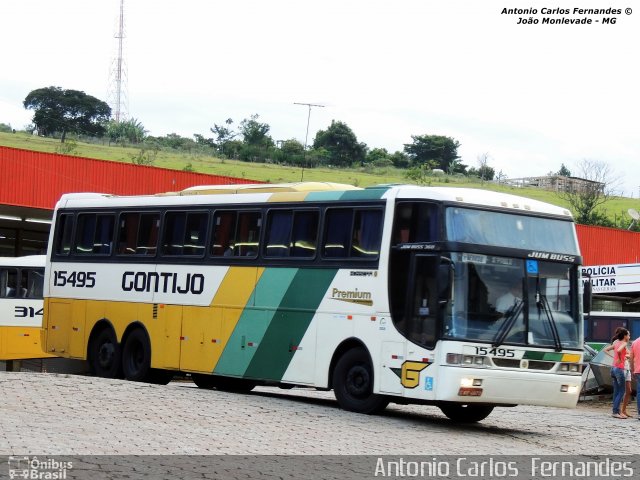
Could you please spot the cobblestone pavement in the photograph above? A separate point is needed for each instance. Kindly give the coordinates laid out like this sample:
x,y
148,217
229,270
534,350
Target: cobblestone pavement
x,y
49,414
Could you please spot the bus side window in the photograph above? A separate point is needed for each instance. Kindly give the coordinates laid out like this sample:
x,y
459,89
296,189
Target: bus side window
x,y
415,222
35,282
304,235
248,234
367,233
337,232
173,235
224,227
8,283
94,234
148,234
195,233
64,228
128,234
278,234
138,233
184,233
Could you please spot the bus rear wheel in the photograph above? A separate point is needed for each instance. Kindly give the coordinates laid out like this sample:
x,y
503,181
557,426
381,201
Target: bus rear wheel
x,y
104,354
136,356
460,413
353,383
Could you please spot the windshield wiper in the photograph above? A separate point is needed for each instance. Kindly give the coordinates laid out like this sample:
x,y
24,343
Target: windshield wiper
x,y
543,304
510,319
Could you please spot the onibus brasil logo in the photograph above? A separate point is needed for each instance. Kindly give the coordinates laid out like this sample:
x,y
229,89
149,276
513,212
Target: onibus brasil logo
x,y
38,469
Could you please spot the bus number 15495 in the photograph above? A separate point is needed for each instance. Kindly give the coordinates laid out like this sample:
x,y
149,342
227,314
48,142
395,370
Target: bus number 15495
x,y
496,352
63,278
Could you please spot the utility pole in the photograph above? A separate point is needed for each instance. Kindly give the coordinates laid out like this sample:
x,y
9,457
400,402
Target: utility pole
x,y
306,137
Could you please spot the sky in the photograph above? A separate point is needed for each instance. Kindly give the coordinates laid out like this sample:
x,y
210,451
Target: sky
x,y
532,97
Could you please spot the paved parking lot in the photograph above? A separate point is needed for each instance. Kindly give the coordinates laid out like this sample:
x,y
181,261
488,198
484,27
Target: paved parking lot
x,y
73,415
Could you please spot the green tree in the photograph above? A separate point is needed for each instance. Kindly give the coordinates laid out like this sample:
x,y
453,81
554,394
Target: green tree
x,y
58,111
5,127
291,152
564,171
435,151
255,133
484,171
224,135
201,141
400,160
378,157
342,144
131,131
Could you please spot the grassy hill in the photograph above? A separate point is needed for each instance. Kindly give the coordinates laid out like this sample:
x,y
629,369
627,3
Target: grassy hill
x,y
616,208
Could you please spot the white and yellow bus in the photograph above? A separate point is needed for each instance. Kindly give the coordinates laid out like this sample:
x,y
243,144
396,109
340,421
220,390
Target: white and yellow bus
x,y
21,306
383,294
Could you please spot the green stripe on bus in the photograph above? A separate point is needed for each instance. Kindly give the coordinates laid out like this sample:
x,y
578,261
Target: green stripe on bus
x,y
290,323
366,194
323,196
254,321
547,356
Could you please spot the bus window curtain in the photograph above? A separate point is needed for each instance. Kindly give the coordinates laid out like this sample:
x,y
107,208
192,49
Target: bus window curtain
x,y
367,232
278,234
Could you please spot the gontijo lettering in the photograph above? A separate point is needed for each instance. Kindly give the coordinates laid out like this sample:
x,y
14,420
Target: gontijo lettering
x,y
165,282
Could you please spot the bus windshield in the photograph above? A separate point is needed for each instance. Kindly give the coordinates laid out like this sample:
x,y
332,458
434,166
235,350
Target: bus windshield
x,y
508,230
501,300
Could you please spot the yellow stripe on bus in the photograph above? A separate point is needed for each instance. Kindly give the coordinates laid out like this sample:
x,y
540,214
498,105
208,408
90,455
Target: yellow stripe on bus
x,y
206,330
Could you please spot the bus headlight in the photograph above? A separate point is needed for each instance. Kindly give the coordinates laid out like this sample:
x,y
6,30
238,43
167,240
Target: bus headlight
x,y
570,367
466,360
454,358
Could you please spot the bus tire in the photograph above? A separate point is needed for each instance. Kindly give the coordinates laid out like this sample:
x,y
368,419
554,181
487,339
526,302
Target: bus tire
x,y
232,384
224,384
136,356
353,383
461,413
104,354
158,376
203,380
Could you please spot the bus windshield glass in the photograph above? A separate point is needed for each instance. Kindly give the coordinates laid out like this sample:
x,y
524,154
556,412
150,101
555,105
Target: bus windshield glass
x,y
507,230
501,300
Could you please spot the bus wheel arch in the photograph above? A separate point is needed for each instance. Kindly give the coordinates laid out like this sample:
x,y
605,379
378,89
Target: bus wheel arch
x,y
136,353
352,379
104,351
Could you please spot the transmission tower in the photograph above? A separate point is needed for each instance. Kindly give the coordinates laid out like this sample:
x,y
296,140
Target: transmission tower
x,y
118,97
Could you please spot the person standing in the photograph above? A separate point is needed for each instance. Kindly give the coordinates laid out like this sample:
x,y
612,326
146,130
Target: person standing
x,y
627,373
617,370
634,361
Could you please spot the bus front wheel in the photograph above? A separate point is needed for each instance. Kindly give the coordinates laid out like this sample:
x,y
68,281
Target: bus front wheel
x,y
203,381
104,354
466,413
353,383
225,384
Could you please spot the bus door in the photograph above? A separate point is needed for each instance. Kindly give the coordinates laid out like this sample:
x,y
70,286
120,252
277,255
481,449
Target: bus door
x,y
415,313
422,300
